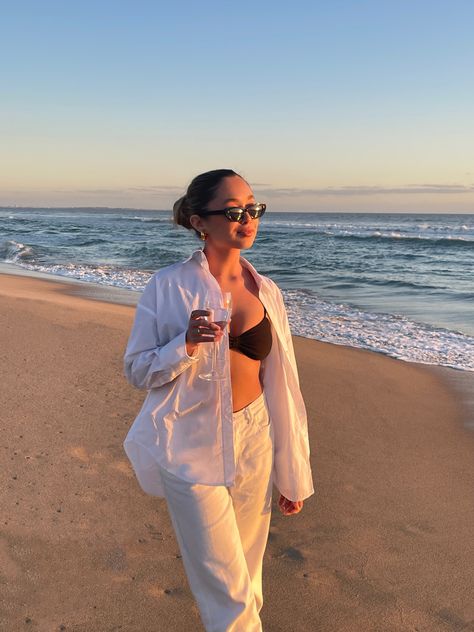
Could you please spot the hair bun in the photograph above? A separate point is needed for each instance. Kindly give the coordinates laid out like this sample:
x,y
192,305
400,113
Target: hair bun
x,y
179,211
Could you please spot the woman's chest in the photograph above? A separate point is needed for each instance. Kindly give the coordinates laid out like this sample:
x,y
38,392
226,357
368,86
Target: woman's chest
x,y
247,308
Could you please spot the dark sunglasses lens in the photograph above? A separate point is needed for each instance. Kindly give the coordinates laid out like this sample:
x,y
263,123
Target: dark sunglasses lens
x,y
256,211
234,214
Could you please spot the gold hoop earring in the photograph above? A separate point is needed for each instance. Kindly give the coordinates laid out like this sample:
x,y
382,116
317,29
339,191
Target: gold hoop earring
x,y
203,236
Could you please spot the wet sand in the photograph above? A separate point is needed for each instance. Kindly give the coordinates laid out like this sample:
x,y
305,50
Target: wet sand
x,y
385,544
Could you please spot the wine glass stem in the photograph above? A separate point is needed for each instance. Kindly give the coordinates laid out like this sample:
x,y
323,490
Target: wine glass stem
x,y
214,356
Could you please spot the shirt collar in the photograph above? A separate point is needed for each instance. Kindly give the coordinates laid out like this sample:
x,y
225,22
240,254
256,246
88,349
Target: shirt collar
x,y
199,256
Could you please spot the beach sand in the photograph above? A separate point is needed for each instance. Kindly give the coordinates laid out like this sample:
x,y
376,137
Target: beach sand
x,y
385,544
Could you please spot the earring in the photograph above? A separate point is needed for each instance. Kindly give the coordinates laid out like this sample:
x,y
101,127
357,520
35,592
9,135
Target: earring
x,y
203,236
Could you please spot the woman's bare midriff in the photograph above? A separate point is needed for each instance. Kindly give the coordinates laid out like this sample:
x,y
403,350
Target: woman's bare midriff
x,y
247,311
244,375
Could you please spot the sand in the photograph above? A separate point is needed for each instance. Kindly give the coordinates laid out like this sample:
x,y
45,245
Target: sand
x,y
385,544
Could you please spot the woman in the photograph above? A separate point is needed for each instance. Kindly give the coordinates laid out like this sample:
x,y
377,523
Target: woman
x,y
214,449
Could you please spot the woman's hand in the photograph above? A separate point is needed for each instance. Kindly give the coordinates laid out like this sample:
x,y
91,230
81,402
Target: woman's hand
x,y
289,507
200,330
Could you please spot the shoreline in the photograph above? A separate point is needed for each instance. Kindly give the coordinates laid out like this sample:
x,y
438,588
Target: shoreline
x,y
461,382
382,545
76,287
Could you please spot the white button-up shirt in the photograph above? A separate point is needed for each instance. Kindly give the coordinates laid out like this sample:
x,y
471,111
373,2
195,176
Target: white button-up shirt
x,y
185,423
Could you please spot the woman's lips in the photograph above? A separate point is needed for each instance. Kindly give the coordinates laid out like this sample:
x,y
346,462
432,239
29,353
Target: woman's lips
x,y
245,233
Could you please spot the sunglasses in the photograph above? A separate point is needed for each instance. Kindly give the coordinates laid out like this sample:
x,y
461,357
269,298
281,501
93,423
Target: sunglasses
x,y
237,213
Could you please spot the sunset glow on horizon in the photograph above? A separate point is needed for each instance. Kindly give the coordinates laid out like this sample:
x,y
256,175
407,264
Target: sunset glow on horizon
x,y
320,106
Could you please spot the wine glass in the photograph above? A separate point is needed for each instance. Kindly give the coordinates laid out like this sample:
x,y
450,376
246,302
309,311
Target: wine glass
x,y
228,302
220,315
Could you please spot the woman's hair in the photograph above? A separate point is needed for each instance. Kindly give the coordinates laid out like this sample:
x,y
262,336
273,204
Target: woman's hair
x,y
201,191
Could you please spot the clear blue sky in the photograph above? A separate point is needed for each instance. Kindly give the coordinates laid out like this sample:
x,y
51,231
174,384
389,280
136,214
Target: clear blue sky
x,y
335,105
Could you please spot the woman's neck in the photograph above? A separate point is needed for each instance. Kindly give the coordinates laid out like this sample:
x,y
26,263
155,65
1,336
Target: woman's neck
x,y
224,265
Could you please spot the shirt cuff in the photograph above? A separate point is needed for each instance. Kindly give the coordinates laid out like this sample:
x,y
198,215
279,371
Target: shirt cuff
x,y
174,352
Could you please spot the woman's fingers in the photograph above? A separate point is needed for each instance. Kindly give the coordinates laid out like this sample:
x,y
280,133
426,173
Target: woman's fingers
x,y
200,313
289,507
201,330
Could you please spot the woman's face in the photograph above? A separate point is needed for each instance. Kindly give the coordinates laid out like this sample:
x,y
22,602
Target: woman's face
x,y
233,191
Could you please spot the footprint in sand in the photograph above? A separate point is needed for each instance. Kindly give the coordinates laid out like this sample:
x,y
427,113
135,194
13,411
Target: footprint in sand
x,y
8,566
455,621
123,467
322,576
99,456
119,578
88,462
80,453
158,592
416,528
291,553
154,533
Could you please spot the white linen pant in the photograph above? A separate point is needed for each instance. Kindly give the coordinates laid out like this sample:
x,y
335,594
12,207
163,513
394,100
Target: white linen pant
x,y
222,531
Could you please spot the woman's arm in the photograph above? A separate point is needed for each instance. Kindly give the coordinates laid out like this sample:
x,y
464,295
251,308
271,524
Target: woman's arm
x,y
147,363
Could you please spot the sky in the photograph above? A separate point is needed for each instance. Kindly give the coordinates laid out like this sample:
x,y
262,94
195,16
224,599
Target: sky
x,y
341,105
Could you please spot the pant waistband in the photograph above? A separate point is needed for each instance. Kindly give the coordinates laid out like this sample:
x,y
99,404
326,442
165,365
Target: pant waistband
x,y
252,408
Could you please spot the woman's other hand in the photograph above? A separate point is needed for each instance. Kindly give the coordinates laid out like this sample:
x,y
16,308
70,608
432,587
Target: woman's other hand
x,y
200,330
289,507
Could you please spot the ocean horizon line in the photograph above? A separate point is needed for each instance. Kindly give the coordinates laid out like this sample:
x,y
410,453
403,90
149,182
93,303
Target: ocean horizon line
x,y
157,210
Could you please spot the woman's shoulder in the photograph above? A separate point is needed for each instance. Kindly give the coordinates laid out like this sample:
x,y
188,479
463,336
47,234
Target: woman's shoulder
x,y
268,283
172,269
173,274
271,285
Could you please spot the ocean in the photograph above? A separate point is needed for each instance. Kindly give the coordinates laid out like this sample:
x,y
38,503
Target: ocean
x,y
398,284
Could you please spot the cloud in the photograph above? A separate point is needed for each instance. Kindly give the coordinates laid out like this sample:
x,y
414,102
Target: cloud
x,y
267,189
366,190
155,190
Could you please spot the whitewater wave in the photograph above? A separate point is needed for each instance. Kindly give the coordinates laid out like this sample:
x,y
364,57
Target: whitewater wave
x,y
12,251
393,335
147,220
463,235
105,274
313,317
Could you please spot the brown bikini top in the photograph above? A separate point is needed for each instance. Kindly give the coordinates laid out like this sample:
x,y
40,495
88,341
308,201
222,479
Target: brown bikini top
x,y
256,342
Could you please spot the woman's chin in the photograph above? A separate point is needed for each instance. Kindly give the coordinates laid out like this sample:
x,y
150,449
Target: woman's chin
x,y
245,241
